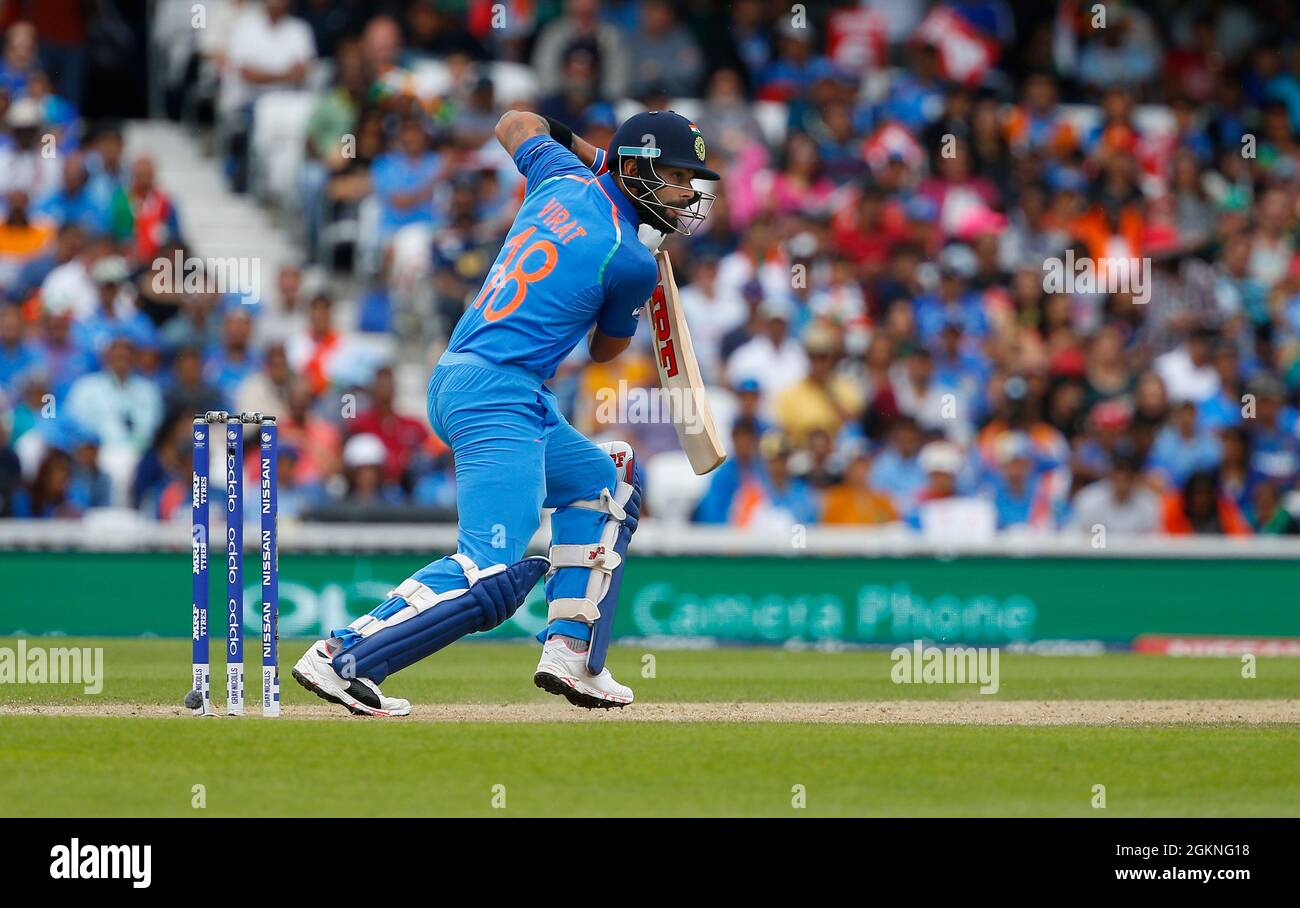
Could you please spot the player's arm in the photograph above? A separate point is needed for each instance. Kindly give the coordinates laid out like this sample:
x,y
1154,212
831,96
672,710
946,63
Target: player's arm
x,y
602,348
587,153
628,282
518,126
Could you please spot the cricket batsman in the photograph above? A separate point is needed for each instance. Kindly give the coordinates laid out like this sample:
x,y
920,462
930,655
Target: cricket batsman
x,y
574,265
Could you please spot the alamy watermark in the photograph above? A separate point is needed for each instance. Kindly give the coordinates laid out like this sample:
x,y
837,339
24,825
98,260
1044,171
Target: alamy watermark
x,y
82,665
1098,275
634,405
920,664
240,275
75,861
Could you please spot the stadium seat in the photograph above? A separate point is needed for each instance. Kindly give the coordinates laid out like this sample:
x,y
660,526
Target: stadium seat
x,y
772,116
365,262
627,108
672,488
689,108
512,82
429,78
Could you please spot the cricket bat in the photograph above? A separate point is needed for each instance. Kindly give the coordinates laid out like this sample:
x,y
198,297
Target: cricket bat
x,y
679,374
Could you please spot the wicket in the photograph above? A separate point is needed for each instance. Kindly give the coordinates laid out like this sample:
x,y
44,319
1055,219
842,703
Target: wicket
x,y
234,560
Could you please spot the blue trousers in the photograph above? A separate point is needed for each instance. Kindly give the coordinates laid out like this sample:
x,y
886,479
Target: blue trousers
x,y
515,454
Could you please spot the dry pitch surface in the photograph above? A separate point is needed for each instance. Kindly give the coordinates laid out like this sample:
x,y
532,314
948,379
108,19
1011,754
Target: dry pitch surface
x,y
915,712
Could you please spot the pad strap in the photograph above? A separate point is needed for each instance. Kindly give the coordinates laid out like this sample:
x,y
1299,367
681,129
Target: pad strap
x,y
607,504
593,556
473,573
574,609
420,598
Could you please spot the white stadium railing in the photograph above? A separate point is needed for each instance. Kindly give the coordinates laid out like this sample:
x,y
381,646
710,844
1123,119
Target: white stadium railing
x,y
115,531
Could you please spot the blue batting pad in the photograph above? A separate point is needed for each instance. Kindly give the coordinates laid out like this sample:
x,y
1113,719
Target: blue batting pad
x,y
483,606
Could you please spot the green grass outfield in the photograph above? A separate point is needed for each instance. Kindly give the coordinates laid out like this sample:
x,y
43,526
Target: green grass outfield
x,y
79,764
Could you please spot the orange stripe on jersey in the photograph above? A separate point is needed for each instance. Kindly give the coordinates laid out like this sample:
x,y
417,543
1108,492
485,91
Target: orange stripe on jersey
x,y
613,210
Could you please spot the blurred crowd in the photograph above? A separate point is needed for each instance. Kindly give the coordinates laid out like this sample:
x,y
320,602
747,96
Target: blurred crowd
x,y
872,297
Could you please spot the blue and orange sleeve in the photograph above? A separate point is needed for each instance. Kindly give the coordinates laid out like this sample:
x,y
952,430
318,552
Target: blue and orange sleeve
x,y
541,157
629,284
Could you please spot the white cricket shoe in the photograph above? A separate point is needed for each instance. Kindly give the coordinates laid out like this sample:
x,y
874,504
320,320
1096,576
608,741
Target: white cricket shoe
x,y
315,671
563,671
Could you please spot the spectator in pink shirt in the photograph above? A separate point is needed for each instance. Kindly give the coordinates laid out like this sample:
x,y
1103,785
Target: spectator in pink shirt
x,y
797,185
955,190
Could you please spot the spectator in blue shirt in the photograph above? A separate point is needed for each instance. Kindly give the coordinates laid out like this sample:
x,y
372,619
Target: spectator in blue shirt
x,y
33,402
959,367
953,301
404,180
89,486
790,499
124,407
163,463
1181,448
1237,477
1021,496
743,467
20,59
236,360
1275,450
294,497
749,404
75,202
1284,88
186,391
1223,409
105,162
110,274
916,97
792,73
1123,54
58,114
17,353
750,36
62,354
897,471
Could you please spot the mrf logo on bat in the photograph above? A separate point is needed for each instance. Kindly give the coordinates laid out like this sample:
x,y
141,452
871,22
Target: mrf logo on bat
x,y
667,346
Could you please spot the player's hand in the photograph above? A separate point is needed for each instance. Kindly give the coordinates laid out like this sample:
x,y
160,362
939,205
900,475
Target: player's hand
x,y
649,237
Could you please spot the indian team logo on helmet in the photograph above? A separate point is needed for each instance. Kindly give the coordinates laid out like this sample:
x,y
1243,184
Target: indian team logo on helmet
x,y
699,139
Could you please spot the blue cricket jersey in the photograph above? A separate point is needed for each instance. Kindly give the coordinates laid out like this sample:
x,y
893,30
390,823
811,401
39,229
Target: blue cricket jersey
x,y
571,260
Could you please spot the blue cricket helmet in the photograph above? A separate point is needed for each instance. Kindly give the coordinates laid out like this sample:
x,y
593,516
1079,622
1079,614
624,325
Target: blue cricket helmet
x,y
662,139
679,141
